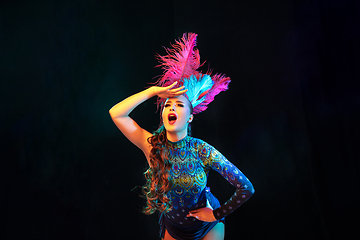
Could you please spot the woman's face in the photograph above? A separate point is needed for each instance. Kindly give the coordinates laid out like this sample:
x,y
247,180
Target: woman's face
x,y
176,114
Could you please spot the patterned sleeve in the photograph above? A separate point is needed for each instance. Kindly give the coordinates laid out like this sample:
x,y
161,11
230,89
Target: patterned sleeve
x,y
244,189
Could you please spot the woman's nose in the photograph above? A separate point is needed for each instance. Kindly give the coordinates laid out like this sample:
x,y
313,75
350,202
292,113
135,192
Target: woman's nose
x,y
172,107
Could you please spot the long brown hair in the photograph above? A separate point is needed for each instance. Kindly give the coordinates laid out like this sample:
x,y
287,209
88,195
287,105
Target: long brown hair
x,y
157,183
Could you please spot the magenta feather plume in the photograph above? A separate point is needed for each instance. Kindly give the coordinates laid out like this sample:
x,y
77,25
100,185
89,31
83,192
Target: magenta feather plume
x,y
180,62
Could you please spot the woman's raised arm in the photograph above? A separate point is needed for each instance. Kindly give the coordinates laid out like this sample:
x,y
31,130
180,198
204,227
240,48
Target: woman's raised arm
x,y
132,131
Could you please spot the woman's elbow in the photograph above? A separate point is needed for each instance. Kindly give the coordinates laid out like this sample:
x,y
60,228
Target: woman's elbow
x,y
111,111
251,190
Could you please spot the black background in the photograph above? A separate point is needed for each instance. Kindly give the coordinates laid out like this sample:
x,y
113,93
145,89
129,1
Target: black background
x,y
290,120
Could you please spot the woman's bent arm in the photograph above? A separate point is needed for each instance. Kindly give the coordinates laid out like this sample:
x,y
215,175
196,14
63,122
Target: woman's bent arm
x,y
132,131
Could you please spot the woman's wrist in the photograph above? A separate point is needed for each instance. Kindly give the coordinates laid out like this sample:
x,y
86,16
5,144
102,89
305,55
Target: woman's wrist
x,y
152,91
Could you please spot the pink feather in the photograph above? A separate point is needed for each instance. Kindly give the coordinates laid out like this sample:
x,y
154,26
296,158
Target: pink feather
x,y
181,62
221,83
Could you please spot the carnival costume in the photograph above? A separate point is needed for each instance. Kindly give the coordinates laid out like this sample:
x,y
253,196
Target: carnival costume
x,y
191,158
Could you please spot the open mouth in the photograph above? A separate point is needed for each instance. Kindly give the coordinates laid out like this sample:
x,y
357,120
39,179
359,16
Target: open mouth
x,y
172,118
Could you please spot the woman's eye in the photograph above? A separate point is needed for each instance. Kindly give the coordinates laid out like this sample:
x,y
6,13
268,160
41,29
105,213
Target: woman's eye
x,y
167,105
181,105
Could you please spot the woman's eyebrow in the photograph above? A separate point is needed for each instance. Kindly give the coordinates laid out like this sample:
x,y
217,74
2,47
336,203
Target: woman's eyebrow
x,y
177,101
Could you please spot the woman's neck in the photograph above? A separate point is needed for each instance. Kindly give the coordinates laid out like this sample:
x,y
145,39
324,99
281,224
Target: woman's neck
x,y
175,136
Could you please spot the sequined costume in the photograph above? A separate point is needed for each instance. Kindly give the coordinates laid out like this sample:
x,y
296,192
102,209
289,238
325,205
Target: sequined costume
x,y
191,160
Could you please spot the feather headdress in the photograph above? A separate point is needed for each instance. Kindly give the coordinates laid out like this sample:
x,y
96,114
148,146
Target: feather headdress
x,y
181,64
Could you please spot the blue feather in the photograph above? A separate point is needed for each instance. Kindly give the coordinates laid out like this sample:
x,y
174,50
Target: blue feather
x,y
196,87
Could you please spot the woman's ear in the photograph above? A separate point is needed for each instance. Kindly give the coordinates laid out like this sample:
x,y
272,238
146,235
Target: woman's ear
x,y
191,118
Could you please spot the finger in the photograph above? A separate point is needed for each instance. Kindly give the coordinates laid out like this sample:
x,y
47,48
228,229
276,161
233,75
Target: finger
x,y
172,85
194,212
177,89
180,92
193,215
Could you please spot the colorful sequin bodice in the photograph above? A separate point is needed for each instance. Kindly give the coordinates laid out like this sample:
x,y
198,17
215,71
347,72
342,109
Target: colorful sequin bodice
x,y
191,160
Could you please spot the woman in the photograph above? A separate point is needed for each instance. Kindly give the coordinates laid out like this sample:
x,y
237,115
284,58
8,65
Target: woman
x,y
179,164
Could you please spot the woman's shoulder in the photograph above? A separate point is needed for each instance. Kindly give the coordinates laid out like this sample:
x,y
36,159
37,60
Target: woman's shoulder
x,y
197,142
194,139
